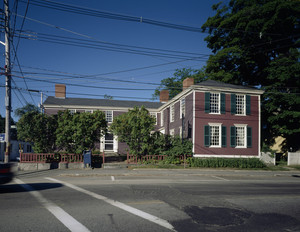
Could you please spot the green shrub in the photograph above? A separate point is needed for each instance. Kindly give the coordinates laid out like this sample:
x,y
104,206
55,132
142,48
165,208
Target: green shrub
x,y
226,162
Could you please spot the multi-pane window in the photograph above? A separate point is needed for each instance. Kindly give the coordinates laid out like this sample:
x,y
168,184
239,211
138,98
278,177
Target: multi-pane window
x,y
214,103
72,111
89,111
154,115
108,116
215,136
240,104
162,118
172,132
182,107
240,136
172,113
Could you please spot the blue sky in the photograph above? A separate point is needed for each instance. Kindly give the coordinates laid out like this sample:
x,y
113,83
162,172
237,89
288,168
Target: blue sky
x,y
43,64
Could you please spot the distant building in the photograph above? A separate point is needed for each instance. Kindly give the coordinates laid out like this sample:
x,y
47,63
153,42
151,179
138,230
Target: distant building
x,y
16,147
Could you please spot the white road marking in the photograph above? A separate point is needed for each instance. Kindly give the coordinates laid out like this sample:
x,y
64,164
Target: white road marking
x,y
71,223
112,178
220,178
120,205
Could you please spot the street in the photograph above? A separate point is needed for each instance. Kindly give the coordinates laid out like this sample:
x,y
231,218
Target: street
x,y
151,200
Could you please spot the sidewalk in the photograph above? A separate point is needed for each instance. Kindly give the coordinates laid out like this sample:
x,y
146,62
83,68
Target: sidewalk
x,y
160,172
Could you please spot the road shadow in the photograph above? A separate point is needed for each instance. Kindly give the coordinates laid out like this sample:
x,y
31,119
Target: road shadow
x,y
15,188
220,219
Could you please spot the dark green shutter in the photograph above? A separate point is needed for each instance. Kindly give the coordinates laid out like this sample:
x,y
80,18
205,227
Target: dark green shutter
x,y
206,136
207,102
232,136
224,137
248,105
233,103
223,104
249,136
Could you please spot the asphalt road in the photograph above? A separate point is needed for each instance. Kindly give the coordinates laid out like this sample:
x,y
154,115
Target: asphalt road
x,y
151,200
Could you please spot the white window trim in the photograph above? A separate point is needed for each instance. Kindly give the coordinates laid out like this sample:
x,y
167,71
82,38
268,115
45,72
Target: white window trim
x,y
245,135
244,113
73,111
162,118
220,134
219,103
172,113
182,99
154,114
172,132
112,115
180,131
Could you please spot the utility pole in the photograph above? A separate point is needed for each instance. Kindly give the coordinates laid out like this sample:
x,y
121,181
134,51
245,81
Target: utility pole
x,y
7,83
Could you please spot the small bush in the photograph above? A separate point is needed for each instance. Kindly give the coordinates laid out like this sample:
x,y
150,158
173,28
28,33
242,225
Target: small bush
x,y
225,162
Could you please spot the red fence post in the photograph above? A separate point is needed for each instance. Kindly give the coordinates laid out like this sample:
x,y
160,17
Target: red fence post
x,y
103,158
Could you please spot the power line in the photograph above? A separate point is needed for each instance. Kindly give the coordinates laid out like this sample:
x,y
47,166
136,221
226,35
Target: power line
x,y
92,45
14,49
136,69
87,86
21,28
95,42
116,16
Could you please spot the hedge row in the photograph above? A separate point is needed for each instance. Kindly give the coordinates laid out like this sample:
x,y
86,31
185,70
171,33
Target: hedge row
x,y
226,162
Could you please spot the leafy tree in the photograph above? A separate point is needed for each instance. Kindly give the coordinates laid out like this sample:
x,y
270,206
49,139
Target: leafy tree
x,y
38,129
255,42
162,144
78,132
282,101
174,84
134,128
19,112
108,97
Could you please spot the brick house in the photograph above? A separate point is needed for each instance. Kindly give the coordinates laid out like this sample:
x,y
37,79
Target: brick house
x,y
222,120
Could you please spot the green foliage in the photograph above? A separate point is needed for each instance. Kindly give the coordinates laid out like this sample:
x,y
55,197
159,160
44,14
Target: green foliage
x,y
226,162
78,132
19,112
134,128
256,43
162,144
282,100
108,97
38,129
174,84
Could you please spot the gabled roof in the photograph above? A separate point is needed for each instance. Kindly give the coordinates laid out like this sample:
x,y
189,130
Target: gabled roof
x,y
211,85
98,103
217,84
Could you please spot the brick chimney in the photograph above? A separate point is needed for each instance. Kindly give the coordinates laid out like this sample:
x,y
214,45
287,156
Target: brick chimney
x,y
187,82
164,96
60,91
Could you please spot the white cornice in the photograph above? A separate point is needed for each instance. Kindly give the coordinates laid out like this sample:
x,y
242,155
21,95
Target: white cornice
x,y
81,107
